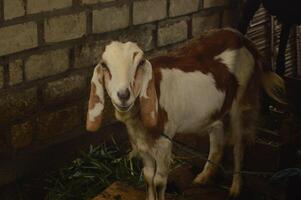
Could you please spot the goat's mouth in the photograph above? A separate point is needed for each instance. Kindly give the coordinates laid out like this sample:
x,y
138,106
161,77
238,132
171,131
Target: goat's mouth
x,y
123,108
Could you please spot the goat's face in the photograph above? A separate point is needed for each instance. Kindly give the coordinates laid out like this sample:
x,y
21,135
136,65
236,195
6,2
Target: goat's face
x,y
126,75
123,65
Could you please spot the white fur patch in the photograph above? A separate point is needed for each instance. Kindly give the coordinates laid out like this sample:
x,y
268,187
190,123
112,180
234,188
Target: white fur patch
x,y
189,98
240,62
228,58
245,66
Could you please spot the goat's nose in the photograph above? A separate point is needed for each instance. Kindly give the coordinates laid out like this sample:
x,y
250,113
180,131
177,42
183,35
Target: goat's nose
x,y
123,95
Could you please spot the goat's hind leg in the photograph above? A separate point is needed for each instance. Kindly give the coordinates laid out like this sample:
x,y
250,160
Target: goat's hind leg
x,y
238,152
217,143
243,130
238,149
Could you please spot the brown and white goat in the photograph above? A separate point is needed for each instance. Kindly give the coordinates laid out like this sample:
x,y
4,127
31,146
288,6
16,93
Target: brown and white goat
x,y
192,90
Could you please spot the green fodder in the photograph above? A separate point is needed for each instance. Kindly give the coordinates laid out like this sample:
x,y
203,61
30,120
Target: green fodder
x,y
92,172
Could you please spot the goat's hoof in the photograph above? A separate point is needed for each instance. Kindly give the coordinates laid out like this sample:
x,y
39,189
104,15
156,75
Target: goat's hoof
x,y
202,179
234,190
132,154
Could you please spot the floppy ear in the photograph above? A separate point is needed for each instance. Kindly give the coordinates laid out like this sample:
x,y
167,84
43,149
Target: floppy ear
x,y
148,98
96,101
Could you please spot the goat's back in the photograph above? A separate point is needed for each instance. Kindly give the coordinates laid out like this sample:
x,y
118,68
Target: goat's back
x,y
197,84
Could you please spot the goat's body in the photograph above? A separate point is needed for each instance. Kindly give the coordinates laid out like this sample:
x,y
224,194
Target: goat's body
x,y
197,87
189,99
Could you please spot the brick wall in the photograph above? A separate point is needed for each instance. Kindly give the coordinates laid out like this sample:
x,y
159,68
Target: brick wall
x,y
48,50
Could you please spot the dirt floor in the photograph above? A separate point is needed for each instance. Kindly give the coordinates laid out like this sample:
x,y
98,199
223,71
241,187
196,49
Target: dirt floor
x,y
123,191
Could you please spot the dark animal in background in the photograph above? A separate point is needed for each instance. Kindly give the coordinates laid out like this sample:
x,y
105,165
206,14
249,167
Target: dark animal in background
x,y
288,12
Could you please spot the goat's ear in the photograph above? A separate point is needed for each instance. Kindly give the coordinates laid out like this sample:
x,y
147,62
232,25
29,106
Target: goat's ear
x,y
96,101
148,98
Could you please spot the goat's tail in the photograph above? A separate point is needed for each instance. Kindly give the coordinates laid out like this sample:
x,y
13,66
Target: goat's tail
x,y
274,86
272,83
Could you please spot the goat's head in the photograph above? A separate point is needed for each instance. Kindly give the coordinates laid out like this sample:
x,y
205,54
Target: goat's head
x,y
126,75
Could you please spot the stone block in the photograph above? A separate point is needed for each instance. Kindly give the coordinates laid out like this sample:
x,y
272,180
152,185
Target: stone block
x,y
36,6
46,64
182,7
148,11
65,27
13,8
230,18
214,3
71,87
18,37
18,104
58,122
21,135
142,35
15,72
110,19
88,54
206,22
95,1
172,33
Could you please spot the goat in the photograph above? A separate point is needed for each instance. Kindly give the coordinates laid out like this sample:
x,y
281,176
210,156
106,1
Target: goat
x,y
192,90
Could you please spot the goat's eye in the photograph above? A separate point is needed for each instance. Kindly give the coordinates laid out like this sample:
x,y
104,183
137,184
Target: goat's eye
x,y
141,63
104,65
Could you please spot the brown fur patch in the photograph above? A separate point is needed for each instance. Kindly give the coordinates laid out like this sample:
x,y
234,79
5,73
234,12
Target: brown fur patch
x,y
94,126
162,114
134,55
148,112
94,99
98,70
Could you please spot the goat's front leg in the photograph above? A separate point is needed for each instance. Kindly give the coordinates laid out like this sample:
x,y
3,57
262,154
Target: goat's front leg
x,y
149,169
163,160
217,143
134,152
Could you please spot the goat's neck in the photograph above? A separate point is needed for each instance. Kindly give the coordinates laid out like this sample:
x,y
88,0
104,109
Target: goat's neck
x,y
138,134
